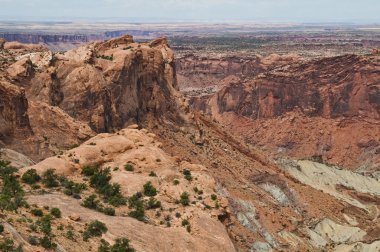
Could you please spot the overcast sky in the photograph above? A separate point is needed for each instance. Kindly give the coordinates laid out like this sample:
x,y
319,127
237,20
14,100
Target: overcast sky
x,y
196,10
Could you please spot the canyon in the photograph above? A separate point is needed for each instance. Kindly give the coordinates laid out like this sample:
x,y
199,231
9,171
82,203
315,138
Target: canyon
x,y
274,153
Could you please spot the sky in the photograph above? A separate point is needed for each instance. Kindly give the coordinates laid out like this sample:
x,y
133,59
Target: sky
x,y
356,11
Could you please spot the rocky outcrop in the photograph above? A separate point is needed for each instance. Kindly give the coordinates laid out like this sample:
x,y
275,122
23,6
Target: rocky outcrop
x,y
331,88
111,84
14,120
99,87
141,148
285,109
198,72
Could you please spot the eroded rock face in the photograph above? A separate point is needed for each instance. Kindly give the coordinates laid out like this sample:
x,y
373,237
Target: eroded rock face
x,y
111,84
332,87
99,87
209,71
14,120
307,109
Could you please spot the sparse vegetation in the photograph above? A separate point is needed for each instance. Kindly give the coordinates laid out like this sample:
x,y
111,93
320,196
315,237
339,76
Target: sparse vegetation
x,y
185,222
73,189
153,203
214,197
120,245
136,203
152,174
149,190
187,175
110,58
100,180
94,229
50,179
88,171
37,212
45,227
56,212
92,203
11,194
30,177
129,167
7,245
184,200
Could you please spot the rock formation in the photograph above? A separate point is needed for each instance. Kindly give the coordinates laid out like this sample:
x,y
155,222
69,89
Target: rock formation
x,y
343,92
76,111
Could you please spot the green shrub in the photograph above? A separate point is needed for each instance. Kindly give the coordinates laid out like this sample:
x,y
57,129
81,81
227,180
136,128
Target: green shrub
x,y
112,194
56,212
184,200
7,245
70,235
135,199
45,225
153,203
72,188
121,245
176,182
138,213
129,167
100,178
152,174
47,243
1,228
91,202
30,177
94,229
136,203
149,190
188,228
33,240
11,194
185,222
88,171
50,179
109,211
213,197
37,212
187,175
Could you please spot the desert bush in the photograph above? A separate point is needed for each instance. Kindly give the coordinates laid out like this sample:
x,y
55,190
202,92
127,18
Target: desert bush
x,y
30,177
129,167
94,229
100,178
72,188
37,212
136,203
149,190
7,245
56,212
88,171
184,199
91,202
153,203
50,179
187,175
11,194
109,211
185,222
